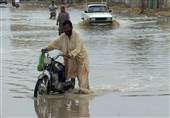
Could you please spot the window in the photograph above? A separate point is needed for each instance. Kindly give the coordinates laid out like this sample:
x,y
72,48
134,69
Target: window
x,y
97,9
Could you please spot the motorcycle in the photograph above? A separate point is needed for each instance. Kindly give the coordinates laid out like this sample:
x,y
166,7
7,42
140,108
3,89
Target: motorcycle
x,y
16,3
52,79
52,15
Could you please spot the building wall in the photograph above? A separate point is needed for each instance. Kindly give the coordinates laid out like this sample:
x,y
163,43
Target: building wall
x,y
163,3
134,3
168,3
130,3
118,1
153,4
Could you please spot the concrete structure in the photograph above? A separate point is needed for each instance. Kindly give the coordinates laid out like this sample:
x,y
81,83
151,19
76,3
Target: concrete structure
x,y
152,4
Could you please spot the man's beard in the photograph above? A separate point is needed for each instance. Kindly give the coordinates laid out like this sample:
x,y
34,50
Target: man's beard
x,y
68,33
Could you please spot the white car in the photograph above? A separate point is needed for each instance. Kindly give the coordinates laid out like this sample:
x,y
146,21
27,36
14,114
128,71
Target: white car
x,y
97,13
3,1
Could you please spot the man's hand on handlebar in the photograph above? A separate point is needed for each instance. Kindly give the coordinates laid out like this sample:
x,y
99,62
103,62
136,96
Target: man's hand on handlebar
x,y
44,50
65,55
70,55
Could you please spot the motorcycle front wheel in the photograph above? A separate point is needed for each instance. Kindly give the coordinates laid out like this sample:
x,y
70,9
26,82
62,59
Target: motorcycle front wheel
x,y
40,88
37,86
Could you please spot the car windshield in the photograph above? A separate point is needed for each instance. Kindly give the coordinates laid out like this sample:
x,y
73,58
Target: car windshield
x,y
97,9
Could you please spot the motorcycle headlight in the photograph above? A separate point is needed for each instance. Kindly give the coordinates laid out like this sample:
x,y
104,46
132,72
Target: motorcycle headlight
x,y
47,60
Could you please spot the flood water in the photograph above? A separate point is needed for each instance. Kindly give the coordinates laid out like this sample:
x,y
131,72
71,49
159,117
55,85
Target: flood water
x,y
132,60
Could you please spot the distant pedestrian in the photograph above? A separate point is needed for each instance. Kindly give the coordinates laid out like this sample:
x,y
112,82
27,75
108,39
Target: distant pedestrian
x,y
62,16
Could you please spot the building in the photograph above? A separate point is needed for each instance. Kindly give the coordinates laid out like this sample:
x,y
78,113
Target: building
x,y
151,4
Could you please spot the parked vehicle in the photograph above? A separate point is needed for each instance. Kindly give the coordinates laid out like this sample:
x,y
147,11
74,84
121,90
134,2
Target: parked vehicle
x,y
3,1
97,13
52,79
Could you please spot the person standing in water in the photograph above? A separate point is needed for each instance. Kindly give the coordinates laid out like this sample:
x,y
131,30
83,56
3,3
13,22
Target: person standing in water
x,y
77,65
62,16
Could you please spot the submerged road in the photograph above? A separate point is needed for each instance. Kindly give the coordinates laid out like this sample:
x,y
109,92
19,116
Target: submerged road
x,y
132,60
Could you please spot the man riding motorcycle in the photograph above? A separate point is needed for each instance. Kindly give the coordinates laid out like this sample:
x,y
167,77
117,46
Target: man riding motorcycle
x,y
52,9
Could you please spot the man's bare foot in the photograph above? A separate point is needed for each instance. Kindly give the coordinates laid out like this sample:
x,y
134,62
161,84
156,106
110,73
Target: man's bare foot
x,y
84,91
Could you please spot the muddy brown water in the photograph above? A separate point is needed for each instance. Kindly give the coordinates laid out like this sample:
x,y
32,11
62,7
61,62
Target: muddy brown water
x,y
132,60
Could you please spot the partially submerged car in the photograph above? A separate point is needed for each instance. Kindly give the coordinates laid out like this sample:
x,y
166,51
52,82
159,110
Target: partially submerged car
x,y
97,13
3,1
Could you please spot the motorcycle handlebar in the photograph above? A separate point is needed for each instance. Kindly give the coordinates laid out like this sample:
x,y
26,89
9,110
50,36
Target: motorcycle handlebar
x,y
59,55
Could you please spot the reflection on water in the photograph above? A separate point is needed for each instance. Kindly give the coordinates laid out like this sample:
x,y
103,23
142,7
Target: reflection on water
x,y
62,107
